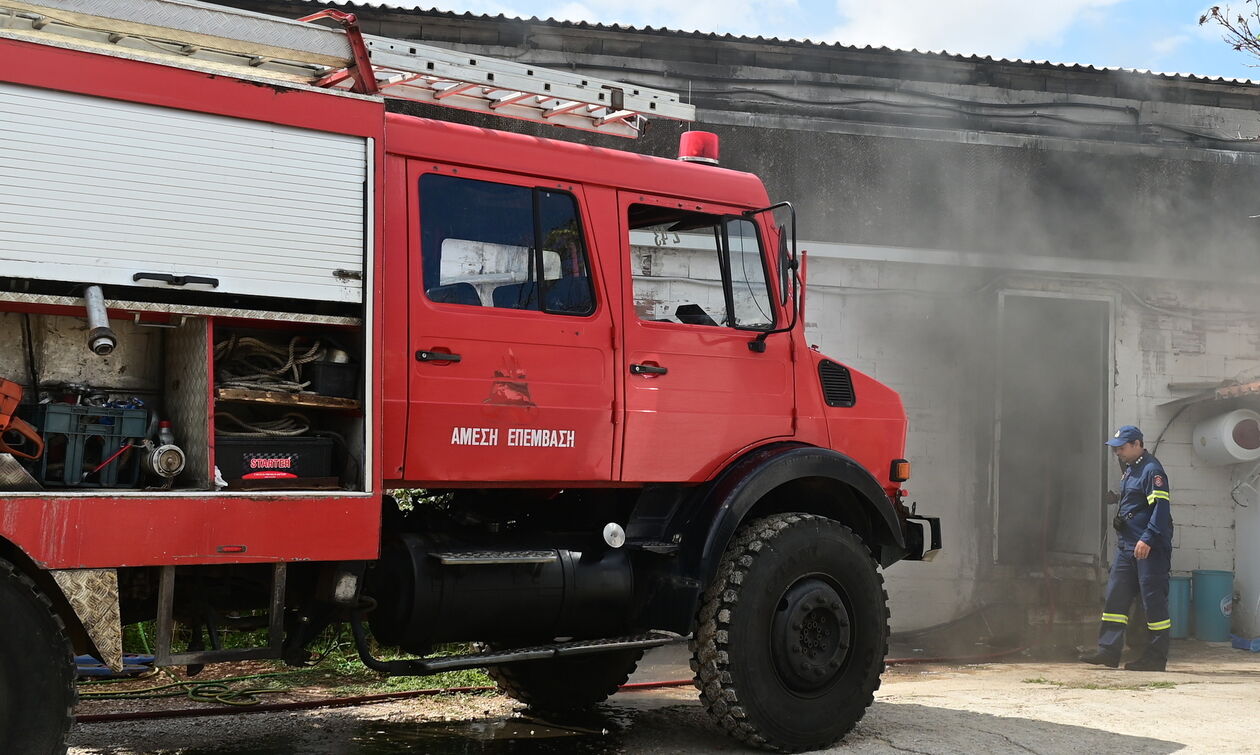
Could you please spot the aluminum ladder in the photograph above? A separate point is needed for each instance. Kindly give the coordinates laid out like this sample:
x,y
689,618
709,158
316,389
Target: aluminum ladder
x,y
256,46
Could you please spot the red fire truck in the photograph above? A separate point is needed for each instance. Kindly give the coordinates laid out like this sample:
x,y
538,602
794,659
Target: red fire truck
x,y
242,301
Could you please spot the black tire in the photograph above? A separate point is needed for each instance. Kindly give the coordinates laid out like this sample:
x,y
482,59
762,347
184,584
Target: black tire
x,y
791,636
37,693
566,684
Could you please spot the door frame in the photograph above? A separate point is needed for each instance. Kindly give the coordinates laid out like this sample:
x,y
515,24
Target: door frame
x,y
1109,399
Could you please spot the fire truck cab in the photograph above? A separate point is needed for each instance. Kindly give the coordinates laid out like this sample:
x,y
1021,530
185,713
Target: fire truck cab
x,y
278,358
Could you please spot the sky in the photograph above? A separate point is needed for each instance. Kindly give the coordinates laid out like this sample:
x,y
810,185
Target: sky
x,y
1157,35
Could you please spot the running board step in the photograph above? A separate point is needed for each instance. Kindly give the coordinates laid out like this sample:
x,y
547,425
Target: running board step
x,y
474,558
422,667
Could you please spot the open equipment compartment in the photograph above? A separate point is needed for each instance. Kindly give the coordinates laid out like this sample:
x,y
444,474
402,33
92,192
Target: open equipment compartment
x,y
132,418
143,417
288,406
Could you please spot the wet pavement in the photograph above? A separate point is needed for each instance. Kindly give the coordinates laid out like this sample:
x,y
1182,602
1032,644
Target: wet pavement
x,y
1019,707
499,735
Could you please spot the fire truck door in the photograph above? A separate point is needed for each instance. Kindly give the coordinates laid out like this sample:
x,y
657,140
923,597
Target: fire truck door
x,y
695,392
511,375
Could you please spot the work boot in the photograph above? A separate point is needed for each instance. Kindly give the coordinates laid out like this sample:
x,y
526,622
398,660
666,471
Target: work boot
x,y
1100,657
1146,663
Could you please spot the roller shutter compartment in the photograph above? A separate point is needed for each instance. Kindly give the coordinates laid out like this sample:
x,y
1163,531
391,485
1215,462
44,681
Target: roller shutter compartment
x,y
97,190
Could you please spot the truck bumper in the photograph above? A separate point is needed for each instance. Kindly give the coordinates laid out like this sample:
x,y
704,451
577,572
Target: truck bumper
x,y
923,537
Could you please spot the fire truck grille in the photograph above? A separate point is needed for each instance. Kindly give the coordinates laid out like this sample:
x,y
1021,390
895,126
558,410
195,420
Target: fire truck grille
x,y
837,384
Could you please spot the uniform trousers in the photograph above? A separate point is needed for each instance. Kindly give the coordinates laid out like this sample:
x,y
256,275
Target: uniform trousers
x,y
1132,577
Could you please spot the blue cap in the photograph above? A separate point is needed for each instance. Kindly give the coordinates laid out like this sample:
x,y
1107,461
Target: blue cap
x,y
1126,434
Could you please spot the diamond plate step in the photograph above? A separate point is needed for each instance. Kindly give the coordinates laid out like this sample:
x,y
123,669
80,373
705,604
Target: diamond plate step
x,y
473,558
557,650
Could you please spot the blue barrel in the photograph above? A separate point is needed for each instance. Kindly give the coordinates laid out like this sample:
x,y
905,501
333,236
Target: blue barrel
x,y
1179,606
1213,604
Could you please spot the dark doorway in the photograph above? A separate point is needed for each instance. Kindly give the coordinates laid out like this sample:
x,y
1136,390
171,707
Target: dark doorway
x,y
1054,390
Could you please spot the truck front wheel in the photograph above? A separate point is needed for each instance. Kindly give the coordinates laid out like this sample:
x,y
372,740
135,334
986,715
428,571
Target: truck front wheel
x,y
791,636
36,669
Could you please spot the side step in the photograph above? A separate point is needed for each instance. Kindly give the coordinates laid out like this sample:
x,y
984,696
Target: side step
x,y
474,558
425,666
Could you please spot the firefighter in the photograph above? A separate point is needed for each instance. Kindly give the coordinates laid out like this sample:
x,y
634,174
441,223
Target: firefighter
x,y
1143,557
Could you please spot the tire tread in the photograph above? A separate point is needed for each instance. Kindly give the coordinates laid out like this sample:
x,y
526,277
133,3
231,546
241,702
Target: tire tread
x,y
709,645
9,574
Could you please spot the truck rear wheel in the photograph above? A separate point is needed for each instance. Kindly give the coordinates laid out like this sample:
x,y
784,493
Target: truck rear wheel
x,y
792,634
37,692
566,684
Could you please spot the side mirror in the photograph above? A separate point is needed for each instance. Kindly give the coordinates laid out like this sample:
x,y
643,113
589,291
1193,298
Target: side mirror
x,y
787,265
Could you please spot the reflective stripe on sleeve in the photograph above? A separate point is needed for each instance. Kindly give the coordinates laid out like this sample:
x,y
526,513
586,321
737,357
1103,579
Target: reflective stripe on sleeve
x,y
1157,495
1118,618
1156,626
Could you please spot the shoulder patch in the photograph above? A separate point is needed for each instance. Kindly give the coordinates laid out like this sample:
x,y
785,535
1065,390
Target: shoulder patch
x,y
1159,479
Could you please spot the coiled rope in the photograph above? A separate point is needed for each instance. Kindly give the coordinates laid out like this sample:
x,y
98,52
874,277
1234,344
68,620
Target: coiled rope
x,y
288,425
245,362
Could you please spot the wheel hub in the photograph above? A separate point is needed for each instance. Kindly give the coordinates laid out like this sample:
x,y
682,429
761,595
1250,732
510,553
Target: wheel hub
x,y
811,635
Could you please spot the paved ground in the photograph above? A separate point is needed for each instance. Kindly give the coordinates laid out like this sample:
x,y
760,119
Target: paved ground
x,y
1208,702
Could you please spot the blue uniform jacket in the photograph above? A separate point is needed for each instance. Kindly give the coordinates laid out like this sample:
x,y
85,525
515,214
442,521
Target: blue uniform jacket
x,y
1145,505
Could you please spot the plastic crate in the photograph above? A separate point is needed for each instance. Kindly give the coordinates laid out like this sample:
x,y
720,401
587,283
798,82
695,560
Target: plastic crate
x,y
80,438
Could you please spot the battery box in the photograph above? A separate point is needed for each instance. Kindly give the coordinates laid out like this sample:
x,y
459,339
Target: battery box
x,y
270,462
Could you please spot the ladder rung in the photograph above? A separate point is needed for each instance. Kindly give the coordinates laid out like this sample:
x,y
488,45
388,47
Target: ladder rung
x,y
561,107
454,89
511,98
618,117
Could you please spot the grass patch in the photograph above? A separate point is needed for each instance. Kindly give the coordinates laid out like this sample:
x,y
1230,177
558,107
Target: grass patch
x,y
1095,685
338,668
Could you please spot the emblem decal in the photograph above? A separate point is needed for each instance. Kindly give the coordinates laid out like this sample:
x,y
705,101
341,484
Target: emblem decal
x,y
1159,480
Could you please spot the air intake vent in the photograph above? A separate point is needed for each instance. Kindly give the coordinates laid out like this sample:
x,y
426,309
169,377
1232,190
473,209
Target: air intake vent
x,y
837,384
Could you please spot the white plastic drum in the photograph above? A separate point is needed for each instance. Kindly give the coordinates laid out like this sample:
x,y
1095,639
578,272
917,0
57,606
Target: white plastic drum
x,y
1228,438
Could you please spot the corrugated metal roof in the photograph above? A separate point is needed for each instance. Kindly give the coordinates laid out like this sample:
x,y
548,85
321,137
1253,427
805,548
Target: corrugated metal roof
x,y
805,43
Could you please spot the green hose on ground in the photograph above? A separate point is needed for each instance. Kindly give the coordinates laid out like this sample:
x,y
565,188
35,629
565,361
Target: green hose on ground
x,y
209,691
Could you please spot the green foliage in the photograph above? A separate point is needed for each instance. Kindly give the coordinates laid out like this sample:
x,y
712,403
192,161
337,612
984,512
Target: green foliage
x,y
337,664
410,499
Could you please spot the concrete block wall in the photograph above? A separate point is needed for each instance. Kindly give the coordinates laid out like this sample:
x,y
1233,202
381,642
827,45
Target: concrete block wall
x,y
1154,349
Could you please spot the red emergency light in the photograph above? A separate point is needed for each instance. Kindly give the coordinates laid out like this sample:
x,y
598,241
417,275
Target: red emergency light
x,y
698,147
